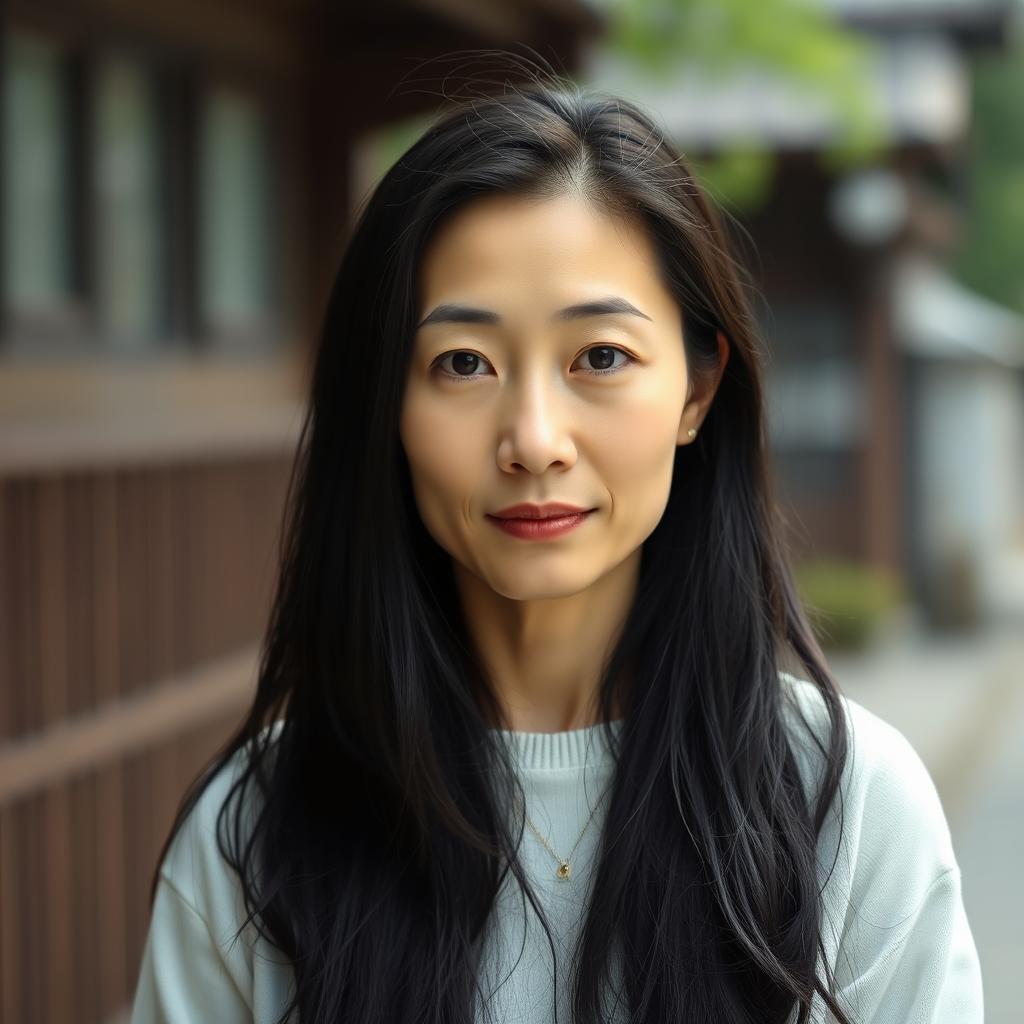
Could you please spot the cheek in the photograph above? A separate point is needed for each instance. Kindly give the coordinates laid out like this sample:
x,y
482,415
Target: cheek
x,y
443,465
637,447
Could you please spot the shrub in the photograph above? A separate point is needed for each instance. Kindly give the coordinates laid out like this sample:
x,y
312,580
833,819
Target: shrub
x,y
845,600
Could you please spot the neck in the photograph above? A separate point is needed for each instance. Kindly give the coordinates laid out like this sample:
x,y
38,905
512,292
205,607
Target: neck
x,y
543,657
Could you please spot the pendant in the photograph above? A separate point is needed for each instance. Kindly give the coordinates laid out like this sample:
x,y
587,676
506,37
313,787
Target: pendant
x,y
563,870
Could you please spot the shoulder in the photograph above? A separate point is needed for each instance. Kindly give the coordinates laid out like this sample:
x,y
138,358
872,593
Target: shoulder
x,y
202,959
888,810
894,928
195,867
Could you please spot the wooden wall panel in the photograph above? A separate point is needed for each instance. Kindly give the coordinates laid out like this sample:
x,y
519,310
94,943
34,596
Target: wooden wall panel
x,y
54,609
138,855
110,890
88,916
120,586
13,949
80,567
59,847
33,908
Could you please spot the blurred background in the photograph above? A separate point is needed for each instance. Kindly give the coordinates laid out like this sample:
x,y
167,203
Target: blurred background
x,y
178,180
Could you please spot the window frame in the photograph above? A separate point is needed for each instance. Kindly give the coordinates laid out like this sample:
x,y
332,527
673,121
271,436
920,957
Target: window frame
x,y
181,76
66,326
276,324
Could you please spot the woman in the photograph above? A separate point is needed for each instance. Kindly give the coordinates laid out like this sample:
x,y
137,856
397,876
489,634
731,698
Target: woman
x,y
512,761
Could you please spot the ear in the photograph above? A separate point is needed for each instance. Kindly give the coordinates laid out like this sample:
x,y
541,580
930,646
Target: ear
x,y
701,395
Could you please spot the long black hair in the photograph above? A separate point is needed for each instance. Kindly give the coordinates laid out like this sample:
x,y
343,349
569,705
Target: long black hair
x,y
381,839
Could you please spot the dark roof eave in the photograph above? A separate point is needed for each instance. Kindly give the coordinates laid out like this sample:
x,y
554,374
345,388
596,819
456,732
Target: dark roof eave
x,y
979,26
505,19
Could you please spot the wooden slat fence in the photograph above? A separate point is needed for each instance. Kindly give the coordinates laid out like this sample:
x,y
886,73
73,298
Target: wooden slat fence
x,y
132,602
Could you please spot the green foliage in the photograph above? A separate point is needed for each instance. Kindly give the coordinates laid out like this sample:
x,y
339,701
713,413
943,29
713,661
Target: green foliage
x,y
797,40
794,39
740,178
845,601
991,256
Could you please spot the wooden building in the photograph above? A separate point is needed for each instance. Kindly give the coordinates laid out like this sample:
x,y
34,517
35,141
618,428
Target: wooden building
x,y
176,193
828,245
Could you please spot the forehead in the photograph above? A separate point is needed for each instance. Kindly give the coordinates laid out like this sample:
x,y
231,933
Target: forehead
x,y
540,253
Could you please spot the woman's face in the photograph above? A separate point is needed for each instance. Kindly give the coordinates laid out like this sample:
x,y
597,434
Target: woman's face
x,y
519,402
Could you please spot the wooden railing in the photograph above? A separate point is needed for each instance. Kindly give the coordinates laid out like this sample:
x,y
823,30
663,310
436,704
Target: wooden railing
x,y
132,600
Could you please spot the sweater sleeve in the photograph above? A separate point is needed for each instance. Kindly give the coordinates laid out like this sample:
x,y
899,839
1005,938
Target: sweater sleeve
x,y
198,962
907,954
927,973
186,975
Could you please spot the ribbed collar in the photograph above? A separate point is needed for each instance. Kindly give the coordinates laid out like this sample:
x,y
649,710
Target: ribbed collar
x,y
550,751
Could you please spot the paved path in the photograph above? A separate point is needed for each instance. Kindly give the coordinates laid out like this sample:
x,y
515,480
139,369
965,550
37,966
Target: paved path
x,y
960,702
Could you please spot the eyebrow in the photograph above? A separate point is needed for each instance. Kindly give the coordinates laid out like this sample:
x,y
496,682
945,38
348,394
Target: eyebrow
x,y
452,313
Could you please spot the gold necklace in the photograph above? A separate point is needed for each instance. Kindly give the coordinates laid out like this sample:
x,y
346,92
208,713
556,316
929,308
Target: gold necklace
x,y
564,870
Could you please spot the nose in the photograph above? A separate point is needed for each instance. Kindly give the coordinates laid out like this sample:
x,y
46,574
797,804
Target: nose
x,y
535,430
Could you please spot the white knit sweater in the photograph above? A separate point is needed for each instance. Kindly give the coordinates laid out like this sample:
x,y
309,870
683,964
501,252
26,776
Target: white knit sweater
x,y
895,932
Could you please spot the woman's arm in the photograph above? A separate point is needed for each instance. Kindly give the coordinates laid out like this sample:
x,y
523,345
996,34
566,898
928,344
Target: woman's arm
x,y
187,976
906,953
925,971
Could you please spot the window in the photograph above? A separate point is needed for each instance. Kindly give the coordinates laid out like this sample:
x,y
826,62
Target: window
x,y
237,223
813,382
130,275
37,213
138,201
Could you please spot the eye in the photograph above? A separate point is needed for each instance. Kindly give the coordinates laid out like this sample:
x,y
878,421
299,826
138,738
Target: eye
x,y
462,360
605,354
469,361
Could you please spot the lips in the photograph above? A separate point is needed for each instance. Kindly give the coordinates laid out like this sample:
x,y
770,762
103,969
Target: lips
x,y
549,510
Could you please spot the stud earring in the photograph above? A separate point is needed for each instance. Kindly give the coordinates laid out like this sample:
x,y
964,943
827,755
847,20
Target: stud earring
x,y
692,433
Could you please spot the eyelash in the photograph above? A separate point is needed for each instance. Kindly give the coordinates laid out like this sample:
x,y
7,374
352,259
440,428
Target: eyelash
x,y
592,373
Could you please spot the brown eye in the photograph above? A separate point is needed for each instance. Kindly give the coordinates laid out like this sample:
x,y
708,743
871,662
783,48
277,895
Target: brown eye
x,y
463,364
603,356
600,357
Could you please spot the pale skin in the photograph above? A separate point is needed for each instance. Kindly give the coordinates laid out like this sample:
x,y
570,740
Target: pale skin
x,y
533,419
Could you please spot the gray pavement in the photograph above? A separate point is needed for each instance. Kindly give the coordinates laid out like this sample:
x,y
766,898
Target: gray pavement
x,y
960,701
